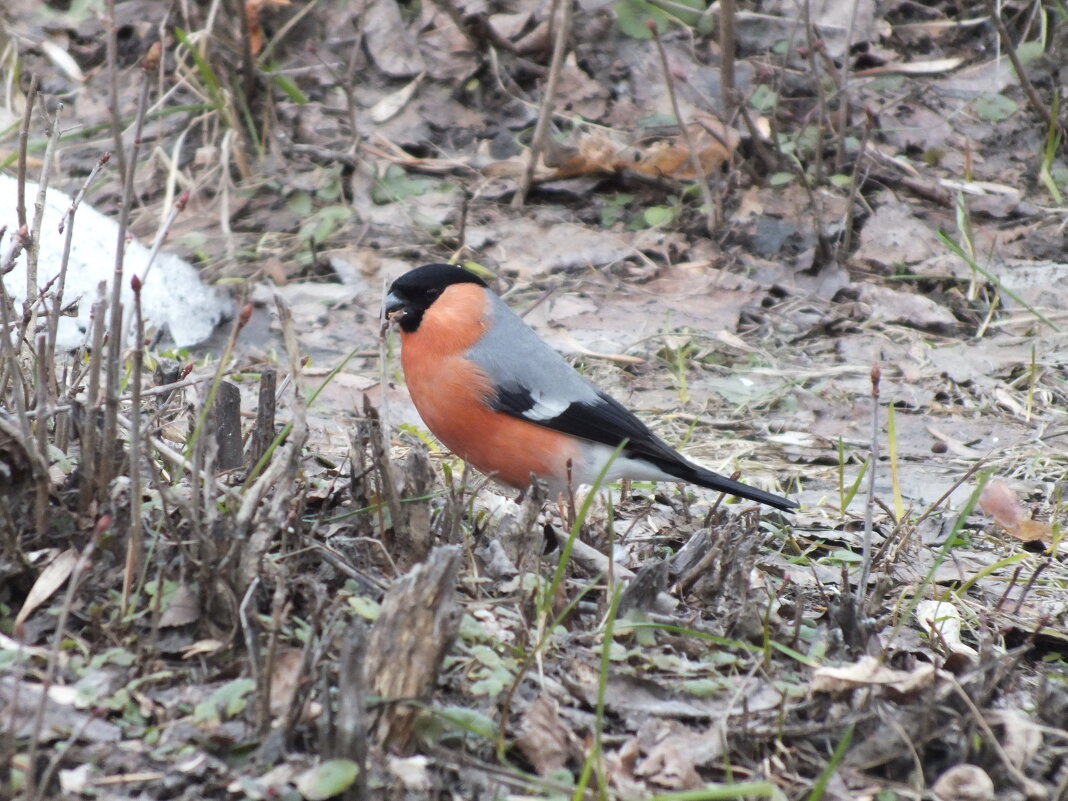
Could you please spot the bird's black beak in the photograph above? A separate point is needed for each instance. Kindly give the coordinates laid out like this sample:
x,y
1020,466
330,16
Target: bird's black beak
x,y
394,305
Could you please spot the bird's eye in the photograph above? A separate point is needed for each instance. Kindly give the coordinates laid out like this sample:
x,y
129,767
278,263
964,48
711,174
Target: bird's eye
x,y
433,293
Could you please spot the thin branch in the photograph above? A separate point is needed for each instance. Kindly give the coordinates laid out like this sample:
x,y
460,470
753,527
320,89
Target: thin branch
x,y
695,159
545,113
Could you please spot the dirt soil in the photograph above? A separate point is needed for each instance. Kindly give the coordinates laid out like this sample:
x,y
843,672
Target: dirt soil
x,y
865,312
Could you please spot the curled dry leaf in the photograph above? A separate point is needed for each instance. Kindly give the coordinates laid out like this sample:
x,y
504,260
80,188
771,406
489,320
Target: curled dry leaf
x,y
870,672
964,783
942,621
1002,504
202,647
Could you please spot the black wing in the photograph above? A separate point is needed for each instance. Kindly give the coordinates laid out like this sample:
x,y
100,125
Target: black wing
x,y
609,422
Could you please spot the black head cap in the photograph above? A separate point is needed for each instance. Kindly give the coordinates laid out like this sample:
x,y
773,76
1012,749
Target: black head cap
x,y
413,292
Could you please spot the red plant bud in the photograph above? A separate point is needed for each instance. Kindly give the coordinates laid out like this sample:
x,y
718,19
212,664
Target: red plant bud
x,y
876,374
650,23
105,158
243,317
183,201
135,284
185,372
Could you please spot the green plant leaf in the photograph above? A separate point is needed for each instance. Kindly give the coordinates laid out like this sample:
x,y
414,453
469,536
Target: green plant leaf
x,y
395,184
633,17
327,779
658,215
995,108
226,702
471,721
325,222
763,98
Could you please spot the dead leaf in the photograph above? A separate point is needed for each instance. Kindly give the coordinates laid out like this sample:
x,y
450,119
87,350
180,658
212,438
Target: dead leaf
x,y
579,93
411,772
1001,503
391,45
285,679
77,781
669,766
390,105
51,579
870,672
543,739
62,60
183,608
932,67
895,234
593,153
906,308
202,647
942,621
964,783
671,159
1021,737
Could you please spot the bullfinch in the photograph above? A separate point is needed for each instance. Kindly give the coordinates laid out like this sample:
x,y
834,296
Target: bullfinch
x,y
502,399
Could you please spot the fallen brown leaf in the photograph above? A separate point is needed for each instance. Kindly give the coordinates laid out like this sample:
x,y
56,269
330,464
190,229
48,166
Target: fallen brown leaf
x,y
1002,504
544,740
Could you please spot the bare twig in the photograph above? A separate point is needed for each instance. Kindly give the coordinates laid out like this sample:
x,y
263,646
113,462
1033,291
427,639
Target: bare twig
x,y
164,230
1033,99
24,135
865,569
41,502
545,113
115,343
854,182
843,90
90,457
135,544
712,215
112,26
38,220
10,370
726,58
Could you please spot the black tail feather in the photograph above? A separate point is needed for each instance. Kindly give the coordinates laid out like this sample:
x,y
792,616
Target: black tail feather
x,y
714,481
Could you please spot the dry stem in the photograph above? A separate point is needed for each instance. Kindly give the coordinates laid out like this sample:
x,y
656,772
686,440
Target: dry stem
x,y
545,113
713,215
